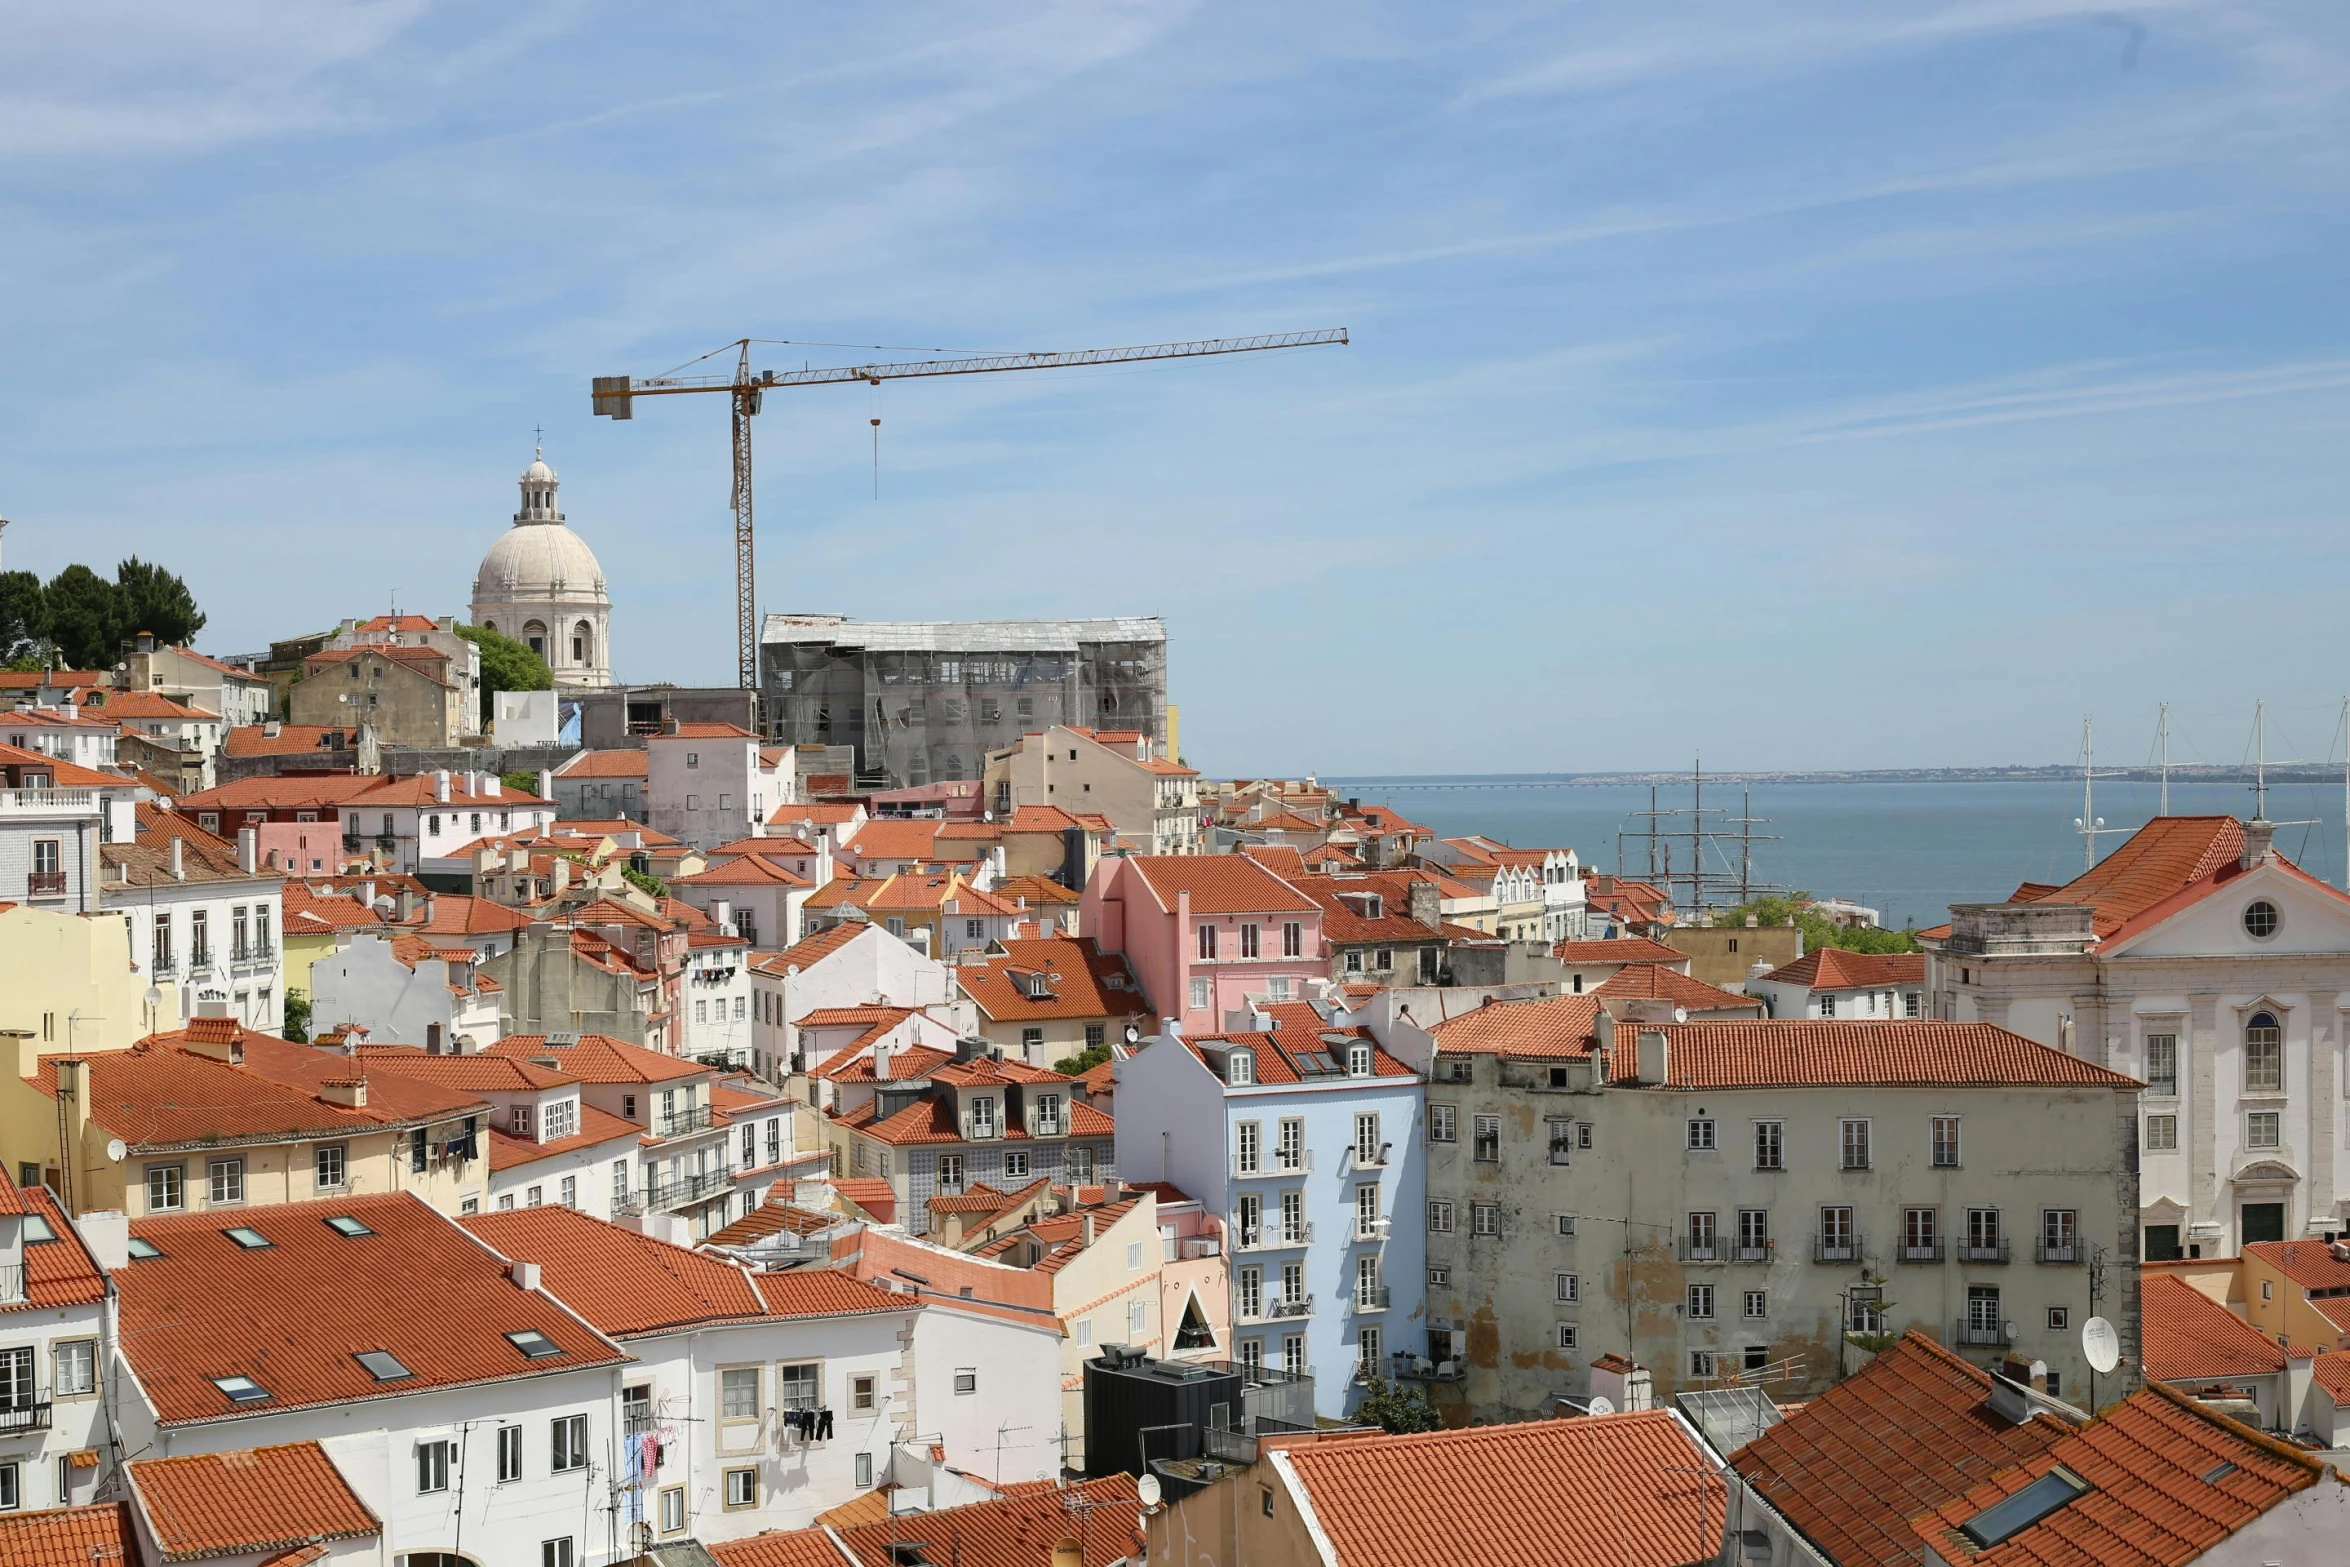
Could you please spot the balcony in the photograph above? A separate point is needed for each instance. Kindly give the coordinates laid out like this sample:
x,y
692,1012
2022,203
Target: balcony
x,y
977,1131
1374,1299
1836,1248
1561,1152
1918,1251
44,884
1981,1335
46,802
1982,1251
691,1188
681,1123
1372,1229
22,1418
1690,1249
1760,1252
2068,1252
12,1282
1276,1238
1293,1161
1418,1368
1372,1159
1294,1306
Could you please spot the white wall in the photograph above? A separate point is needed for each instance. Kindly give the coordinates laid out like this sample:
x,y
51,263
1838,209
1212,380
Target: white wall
x,y
1009,1426
396,1004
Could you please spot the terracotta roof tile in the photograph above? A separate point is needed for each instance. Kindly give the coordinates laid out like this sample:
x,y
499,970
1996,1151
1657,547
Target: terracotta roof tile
x,y
598,1058
2189,1337
596,1128
2168,1481
774,1218
1080,980
607,764
685,731
292,740
1628,1490
70,1537
896,838
1219,884
60,1272
787,1547
248,1500
1654,981
1018,1530
1300,1034
824,1292
1623,949
1556,1027
206,1307
1909,1430
1806,1052
1833,968
747,870
622,1280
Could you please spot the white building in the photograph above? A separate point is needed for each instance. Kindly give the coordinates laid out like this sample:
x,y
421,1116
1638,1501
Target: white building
x,y
203,920
540,585
54,817
709,784
2198,959
758,892
853,964
403,989
237,697
53,1370
1834,983
547,1145
64,732
426,823
717,1000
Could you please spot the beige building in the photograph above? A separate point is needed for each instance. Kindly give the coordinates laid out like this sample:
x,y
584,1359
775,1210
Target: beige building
x,y
409,695
1153,802
1725,955
1725,1201
1047,1000
2197,958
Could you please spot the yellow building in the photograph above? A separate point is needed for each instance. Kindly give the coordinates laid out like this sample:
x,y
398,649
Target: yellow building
x,y
69,983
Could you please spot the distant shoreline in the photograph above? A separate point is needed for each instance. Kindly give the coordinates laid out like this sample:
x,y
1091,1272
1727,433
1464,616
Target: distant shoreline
x,y
2179,774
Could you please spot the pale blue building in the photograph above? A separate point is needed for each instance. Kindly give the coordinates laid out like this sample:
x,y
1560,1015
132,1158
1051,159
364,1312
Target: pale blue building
x,y
1305,1139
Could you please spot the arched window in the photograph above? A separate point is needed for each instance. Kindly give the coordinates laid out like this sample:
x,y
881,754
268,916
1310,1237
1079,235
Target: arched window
x,y
489,625
583,640
2264,1055
534,633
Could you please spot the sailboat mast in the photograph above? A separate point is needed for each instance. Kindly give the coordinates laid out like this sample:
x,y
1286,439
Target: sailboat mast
x,y
2088,821
2162,738
2260,760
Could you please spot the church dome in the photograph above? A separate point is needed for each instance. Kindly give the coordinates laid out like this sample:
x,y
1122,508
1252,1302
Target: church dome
x,y
541,585
536,562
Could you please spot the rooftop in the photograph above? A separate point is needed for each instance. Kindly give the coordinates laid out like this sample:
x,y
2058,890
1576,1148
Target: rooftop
x,y
73,1537
598,1058
1623,949
246,1501
1818,1053
1063,977
1556,1027
2186,1336
1833,968
1219,884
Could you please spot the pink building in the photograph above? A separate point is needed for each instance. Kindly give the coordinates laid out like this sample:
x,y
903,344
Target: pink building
x,y
1203,932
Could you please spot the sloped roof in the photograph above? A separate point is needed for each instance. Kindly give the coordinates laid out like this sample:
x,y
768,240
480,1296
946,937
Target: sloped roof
x,y
622,1280
1654,981
1628,1490
1219,884
207,1307
810,951
290,740
746,870
1833,968
1622,949
247,1500
1300,1031
58,1272
1809,1052
2168,1481
607,764
896,838
599,1058
2186,1336
1083,981
1018,1529
1556,1027
71,1537
1908,1431
308,914
596,1128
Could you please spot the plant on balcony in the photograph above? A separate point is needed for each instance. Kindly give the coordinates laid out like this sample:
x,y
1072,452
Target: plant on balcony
x,y
1082,1062
1396,1410
1887,1336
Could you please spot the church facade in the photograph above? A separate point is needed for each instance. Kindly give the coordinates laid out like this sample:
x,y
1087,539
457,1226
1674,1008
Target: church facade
x,y
541,585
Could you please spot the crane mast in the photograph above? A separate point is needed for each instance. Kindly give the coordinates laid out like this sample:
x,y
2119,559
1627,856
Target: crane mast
x,y
615,397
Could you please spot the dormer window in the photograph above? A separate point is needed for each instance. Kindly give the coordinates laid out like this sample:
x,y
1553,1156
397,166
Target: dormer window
x,y
1358,1059
1240,1067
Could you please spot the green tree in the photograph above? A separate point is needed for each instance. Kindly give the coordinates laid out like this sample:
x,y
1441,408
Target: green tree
x,y
24,620
645,881
297,1026
1396,1410
506,665
85,618
1082,1062
1819,930
521,783
153,600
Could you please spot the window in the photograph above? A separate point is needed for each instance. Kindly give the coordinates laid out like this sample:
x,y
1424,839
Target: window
x,y
1247,1154
2060,1234
1484,1219
1946,1142
432,1466
1827,1003
1920,1232
534,1344
1137,1320
509,1454
1567,1335
1438,1278
560,1121
1367,1144
1754,1234
864,1470
2263,1129
1758,1304
1293,939
567,1443
1982,1310
799,1386
1700,1246
225,1182
619,1183
1769,1145
1293,1354
11,1490
1488,1145
738,1394
2162,1064
2264,1054
535,1197
1838,1240
1911,1004
163,959
1366,1211
742,1488
329,1166
1566,1288
950,1172
966,1379
1205,937
1701,1135
2260,919
1853,1141
1358,1059
1293,1217
1701,1362
1200,995
1440,1218
673,1509
1134,1256
1982,1230
166,1192
1248,942
1443,1124
2162,1134
1565,1223
76,1370
1015,1164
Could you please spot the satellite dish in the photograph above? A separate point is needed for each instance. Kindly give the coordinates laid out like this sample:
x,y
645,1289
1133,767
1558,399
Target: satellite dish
x,y
2101,1344
1147,1488
1602,1406
116,1148
154,996
1132,1033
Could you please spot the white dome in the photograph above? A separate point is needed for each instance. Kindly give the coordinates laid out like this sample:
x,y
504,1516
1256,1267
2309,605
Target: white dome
x,y
538,562
538,472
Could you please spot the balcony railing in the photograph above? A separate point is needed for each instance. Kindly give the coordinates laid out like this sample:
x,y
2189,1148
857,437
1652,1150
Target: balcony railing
x,y
1418,1368
1836,1248
1982,1251
1372,1229
1758,1252
1275,1238
2049,1251
12,1282
1992,1335
1293,1161
1276,1165
43,802
1371,1159
1293,1306
30,1415
1919,1251
689,1188
681,1122
1373,1299
1562,1152
1691,1249
44,884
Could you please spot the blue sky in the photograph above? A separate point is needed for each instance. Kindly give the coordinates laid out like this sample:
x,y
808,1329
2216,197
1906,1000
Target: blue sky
x,y
1812,384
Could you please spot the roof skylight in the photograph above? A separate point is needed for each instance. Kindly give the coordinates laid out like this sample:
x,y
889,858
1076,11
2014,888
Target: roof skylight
x,y
2027,1507
248,1237
382,1365
37,1229
241,1390
344,1224
534,1344
144,1249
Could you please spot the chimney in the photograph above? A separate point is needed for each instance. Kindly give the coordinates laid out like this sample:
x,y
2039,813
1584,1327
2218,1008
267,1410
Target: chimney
x,y
350,1093
2299,1368
107,1232
722,915
1653,1058
179,868
1603,885
407,902
367,894
429,900
2011,1389
2258,836
227,1046
1089,1229
248,850
440,785
493,786
272,728
69,710
546,784
1067,1553
1427,904
526,1274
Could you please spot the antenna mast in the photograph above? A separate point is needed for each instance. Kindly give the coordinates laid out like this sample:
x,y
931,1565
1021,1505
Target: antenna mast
x,y
2089,824
2260,760
2162,739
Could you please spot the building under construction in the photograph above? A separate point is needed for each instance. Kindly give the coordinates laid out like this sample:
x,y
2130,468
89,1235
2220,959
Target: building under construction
x,y
924,701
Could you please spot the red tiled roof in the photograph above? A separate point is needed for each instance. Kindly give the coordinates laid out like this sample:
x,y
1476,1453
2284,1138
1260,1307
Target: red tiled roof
x,y
1016,1530
1654,981
811,951
748,870
1628,1490
1036,889
1814,1053
1623,949
1909,1430
1219,884
686,731
248,1500
2159,860
824,1292
622,1280
1833,968
866,1190
1082,981
95,1536
61,775
896,838
290,740
207,1307
153,704
1556,1027
60,1272
784,1548
1300,1030
2189,1337
309,914
2332,1371
607,764
460,914
598,1058
774,1218
1281,859
2168,1481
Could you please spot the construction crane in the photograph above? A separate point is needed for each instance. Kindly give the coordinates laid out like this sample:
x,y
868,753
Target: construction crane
x,y
616,394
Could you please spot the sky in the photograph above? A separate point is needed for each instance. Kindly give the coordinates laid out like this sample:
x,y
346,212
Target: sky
x,y
1832,383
